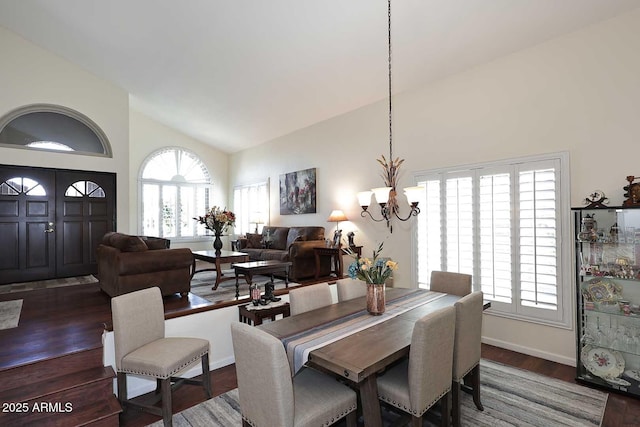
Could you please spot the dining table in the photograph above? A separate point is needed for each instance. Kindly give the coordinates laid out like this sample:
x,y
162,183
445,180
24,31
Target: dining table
x,y
344,340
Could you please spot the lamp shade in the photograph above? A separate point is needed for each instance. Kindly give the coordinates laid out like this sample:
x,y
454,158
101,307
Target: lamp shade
x,y
364,198
413,194
382,194
337,216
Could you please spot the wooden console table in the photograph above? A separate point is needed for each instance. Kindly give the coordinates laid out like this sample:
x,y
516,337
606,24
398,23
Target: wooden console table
x,y
335,253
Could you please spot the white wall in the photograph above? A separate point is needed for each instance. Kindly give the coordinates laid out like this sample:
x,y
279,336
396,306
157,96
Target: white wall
x,y
31,75
34,75
577,93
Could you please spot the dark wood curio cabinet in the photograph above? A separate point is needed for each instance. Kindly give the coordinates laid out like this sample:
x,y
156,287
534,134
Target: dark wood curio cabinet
x,y
607,263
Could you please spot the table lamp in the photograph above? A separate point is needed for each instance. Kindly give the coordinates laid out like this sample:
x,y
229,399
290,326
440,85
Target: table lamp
x,y
337,216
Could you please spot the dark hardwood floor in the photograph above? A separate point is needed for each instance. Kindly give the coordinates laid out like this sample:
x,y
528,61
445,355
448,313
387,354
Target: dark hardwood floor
x,y
62,320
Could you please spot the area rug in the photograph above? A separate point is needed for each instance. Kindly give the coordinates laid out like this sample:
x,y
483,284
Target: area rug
x,y
10,313
202,283
46,284
511,397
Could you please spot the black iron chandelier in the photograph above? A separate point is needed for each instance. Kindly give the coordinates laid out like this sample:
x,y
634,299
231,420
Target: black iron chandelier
x,y
387,196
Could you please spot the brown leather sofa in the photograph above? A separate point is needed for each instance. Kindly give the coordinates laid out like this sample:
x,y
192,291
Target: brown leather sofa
x,y
293,244
130,263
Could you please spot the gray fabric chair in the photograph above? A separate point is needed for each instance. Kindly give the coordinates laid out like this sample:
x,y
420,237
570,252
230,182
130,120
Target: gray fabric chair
x,y
450,283
466,351
309,298
350,289
416,384
142,349
270,397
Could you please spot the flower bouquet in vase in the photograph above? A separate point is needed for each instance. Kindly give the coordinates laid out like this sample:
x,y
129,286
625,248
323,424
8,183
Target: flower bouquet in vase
x,y
374,272
217,220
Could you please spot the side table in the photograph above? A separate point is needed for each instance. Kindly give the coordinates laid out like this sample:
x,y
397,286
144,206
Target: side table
x,y
258,313
335,253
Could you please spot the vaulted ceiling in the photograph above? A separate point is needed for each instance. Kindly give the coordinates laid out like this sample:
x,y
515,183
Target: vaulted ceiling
x,y
236,73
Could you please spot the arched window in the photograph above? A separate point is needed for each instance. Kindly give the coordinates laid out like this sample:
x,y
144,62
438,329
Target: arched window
x,y
53,128
19,185
84,188
175,187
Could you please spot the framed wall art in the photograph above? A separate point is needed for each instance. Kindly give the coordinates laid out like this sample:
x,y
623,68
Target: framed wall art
x,y
298,192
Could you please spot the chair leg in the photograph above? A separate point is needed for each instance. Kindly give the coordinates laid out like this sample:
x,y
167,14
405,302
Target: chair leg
x,y
475,375
416,421
455,406
206,375
122,388
445,410
167,415
352,419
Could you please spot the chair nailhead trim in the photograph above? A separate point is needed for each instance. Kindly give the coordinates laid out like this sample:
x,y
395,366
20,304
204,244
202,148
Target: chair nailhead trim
x,y
164,377
339,416
409,410
325,424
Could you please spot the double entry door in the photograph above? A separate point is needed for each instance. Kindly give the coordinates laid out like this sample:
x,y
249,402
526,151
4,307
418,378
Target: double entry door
x,y
52,220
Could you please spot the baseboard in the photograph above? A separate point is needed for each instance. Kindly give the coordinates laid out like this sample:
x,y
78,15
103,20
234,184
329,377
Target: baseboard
x,y
530,351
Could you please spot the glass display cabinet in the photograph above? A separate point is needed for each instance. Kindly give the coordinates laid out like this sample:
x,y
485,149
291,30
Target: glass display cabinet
x,y
607,250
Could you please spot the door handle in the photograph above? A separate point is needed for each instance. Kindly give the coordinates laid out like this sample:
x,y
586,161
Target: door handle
x,y
50,229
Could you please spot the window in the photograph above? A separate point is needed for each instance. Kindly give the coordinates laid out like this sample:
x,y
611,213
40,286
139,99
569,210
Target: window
x,y
503,223
20,185
53,128
175,187
85,188
251,206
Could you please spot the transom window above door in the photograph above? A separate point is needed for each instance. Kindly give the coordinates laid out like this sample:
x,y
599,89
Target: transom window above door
x,y
53,128
20,185
175,187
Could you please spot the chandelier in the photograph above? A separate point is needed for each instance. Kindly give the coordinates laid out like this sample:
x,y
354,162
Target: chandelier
x,y
387,196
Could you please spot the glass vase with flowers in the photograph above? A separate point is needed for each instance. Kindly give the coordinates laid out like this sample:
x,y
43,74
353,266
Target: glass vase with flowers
x,y
374,272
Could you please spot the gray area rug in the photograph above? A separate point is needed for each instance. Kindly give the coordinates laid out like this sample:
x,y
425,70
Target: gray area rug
x,y
10,313
511,397
202,283
45,284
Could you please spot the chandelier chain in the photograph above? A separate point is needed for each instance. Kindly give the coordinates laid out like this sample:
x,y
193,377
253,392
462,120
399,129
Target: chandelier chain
x,y
389,60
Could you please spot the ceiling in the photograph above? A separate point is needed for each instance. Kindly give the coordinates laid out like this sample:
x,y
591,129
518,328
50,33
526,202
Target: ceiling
x,y
237,73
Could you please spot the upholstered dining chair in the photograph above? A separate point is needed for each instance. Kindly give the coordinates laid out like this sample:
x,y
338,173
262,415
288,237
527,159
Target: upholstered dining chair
x,y
142,349
269,396
309,298
450,283
350,288
466,351
418,383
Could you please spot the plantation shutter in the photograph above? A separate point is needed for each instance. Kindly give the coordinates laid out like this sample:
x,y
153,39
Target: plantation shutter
x,y
459,225
496,279
539,242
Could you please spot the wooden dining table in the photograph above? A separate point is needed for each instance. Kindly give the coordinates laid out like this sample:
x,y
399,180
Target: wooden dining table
x,y
358,357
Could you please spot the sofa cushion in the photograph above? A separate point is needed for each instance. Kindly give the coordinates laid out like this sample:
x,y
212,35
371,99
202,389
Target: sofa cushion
x,y
254,240
274,254
154,243
278,237
127,243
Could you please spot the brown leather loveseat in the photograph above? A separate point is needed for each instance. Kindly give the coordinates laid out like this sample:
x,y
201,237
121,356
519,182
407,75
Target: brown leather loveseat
x,y
130,263
293,244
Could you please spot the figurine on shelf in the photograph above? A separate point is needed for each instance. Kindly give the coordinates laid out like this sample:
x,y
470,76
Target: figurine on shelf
x,y
632,192
597,199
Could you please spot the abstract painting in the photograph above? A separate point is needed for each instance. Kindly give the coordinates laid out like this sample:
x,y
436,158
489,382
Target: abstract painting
x,y
298,192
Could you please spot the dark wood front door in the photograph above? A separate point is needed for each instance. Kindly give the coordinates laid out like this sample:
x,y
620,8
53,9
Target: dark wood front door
x,y
51,221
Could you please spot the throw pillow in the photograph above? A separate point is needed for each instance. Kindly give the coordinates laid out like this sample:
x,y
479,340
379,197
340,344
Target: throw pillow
x,y
254,240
